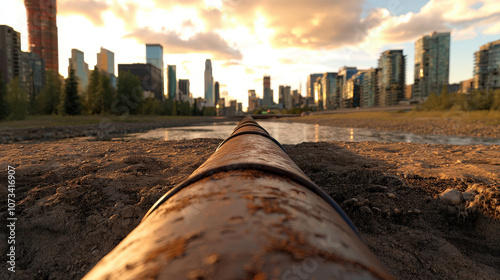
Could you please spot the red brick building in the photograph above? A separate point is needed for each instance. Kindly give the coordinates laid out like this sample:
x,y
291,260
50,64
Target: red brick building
x,y
42,29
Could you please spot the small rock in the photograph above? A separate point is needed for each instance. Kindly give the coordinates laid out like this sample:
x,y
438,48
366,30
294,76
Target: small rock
x,y
213,258
458,162
417,211
391,195
376,210
451,197
397,211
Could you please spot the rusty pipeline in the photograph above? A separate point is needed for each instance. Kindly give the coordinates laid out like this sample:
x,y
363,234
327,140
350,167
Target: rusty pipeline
x,y
248,212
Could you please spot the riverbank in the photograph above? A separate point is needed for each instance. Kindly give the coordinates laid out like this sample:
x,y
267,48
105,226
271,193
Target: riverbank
x,y
475,124
76,200
47,128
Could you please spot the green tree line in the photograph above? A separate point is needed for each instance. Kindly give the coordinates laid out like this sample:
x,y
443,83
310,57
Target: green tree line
x,y
62,97
475,100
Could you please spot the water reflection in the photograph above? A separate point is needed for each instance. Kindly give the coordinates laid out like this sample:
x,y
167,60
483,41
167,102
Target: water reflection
x,y
294,133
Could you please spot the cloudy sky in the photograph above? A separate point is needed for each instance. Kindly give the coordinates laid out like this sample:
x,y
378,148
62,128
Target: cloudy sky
x,y
246,39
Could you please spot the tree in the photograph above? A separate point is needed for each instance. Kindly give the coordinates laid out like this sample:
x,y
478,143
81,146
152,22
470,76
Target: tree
x,y
48,99
129,95
107,93
4,108
151,106
91,94
496,100
70,101
17,100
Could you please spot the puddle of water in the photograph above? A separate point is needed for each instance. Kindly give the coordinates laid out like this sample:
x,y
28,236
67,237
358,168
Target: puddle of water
x,y
294,133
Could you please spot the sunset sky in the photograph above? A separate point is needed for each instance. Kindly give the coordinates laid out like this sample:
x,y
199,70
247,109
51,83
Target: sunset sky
x,y
287,39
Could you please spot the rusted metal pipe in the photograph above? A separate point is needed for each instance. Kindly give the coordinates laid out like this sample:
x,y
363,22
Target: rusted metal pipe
x,y
248,212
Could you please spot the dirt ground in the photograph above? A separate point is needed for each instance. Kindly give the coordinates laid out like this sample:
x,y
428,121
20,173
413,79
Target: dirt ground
x,y
76,200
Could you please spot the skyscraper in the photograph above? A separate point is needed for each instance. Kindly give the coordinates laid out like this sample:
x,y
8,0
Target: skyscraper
x,y
10,53
154,55
253,101
106,64
217,92
209,83
32,74
487,66
267,92
42,29
311,79
172,81
392,64
369,90
81,68
432,64
344,74
184,90
150,78
329,82
285,97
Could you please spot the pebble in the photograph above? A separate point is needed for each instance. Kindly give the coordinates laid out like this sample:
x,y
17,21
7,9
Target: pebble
x,y
451,197
391,195
213,258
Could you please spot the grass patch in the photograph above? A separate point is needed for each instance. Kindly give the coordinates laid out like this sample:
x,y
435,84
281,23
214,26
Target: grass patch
x,y
485,117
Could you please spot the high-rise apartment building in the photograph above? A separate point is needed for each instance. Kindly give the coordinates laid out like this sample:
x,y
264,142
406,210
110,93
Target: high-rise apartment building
x,y
106,64
285,97
172,82
432,64
253,101
392,64
369,91
311,79
184,91
106,61
81,68
10,53
154,55
267,92
209,84
345,73
329,86
487,66
149,75
216,92
32,74
28,67
42,31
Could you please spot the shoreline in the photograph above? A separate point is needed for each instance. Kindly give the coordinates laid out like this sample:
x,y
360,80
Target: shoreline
x,y
449,124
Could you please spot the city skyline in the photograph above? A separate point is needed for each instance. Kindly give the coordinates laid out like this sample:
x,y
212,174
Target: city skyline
x,y
243,51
